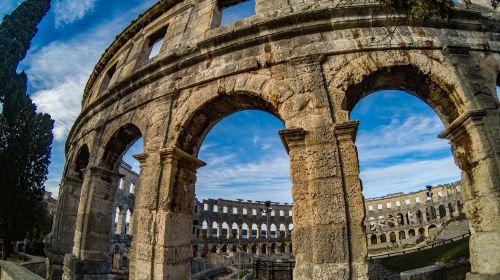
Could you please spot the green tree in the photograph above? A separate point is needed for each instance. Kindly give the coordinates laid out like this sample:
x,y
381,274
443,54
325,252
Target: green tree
x,y
25,135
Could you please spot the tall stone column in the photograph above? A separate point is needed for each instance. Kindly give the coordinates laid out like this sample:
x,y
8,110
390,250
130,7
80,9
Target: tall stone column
x,y
219,230
172,250
61,239
209,230
120,220
474,139
346,137
320,236
93,227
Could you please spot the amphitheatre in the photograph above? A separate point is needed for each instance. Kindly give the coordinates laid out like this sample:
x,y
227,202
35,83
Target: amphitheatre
x,y
238,229
307,62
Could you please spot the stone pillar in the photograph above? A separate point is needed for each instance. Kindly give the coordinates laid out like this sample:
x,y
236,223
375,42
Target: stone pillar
x,y
239,235
62,236
378,239
93,227
172,250
219,230
287,231
474,139
424,216
131,223
120,221
346,137
209,231
321,236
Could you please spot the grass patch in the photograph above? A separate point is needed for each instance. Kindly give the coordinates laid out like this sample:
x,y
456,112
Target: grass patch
x,y
443,254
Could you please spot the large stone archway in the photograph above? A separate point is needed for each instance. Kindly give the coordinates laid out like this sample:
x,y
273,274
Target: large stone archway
x,y
307,63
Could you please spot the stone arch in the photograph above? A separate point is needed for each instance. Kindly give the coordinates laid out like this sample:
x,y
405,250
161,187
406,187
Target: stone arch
x,y
118,144
413,72
194,127
401,219
411,232
373,239
81,161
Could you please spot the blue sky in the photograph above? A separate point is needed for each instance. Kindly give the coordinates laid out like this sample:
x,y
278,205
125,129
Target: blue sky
x,y
397,140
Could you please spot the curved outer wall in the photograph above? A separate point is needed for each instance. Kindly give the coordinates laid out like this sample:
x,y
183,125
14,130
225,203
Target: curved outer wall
x,y
308,62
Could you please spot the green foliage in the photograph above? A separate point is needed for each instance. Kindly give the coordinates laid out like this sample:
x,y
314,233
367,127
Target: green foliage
x,y
441,254
25,135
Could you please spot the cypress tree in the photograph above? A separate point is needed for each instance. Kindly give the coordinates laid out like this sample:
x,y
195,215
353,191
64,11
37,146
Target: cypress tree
x,y
25,135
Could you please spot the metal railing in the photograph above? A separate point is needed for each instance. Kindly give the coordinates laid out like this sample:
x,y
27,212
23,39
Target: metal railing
x,y
273,270
435,244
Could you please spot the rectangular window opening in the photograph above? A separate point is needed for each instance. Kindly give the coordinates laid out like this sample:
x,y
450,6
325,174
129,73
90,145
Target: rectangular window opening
x,y
156,42
229,11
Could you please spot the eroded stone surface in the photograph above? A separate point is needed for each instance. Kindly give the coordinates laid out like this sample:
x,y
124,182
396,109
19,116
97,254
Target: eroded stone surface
x,y
307,62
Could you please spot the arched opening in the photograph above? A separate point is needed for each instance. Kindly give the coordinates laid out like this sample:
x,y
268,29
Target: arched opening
x,y
402,235
81,162
254,249
399,153
383,238
373,239
442,211
103,186
392,237
431,213
245,161
421,231
263,249
273,231
263,230
411,233
215,230
255,230
225,230
245,231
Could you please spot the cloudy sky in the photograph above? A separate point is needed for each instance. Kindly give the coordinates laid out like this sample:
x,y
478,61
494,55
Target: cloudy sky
x,y
397,140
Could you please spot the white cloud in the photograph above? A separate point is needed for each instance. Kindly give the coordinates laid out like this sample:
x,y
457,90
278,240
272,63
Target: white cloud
x,y
69,11
266,179
63,103
59,71
408,176
416,134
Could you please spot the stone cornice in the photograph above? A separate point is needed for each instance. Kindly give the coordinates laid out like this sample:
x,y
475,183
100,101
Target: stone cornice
x,y
457,126
292,137
347,131
178,154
